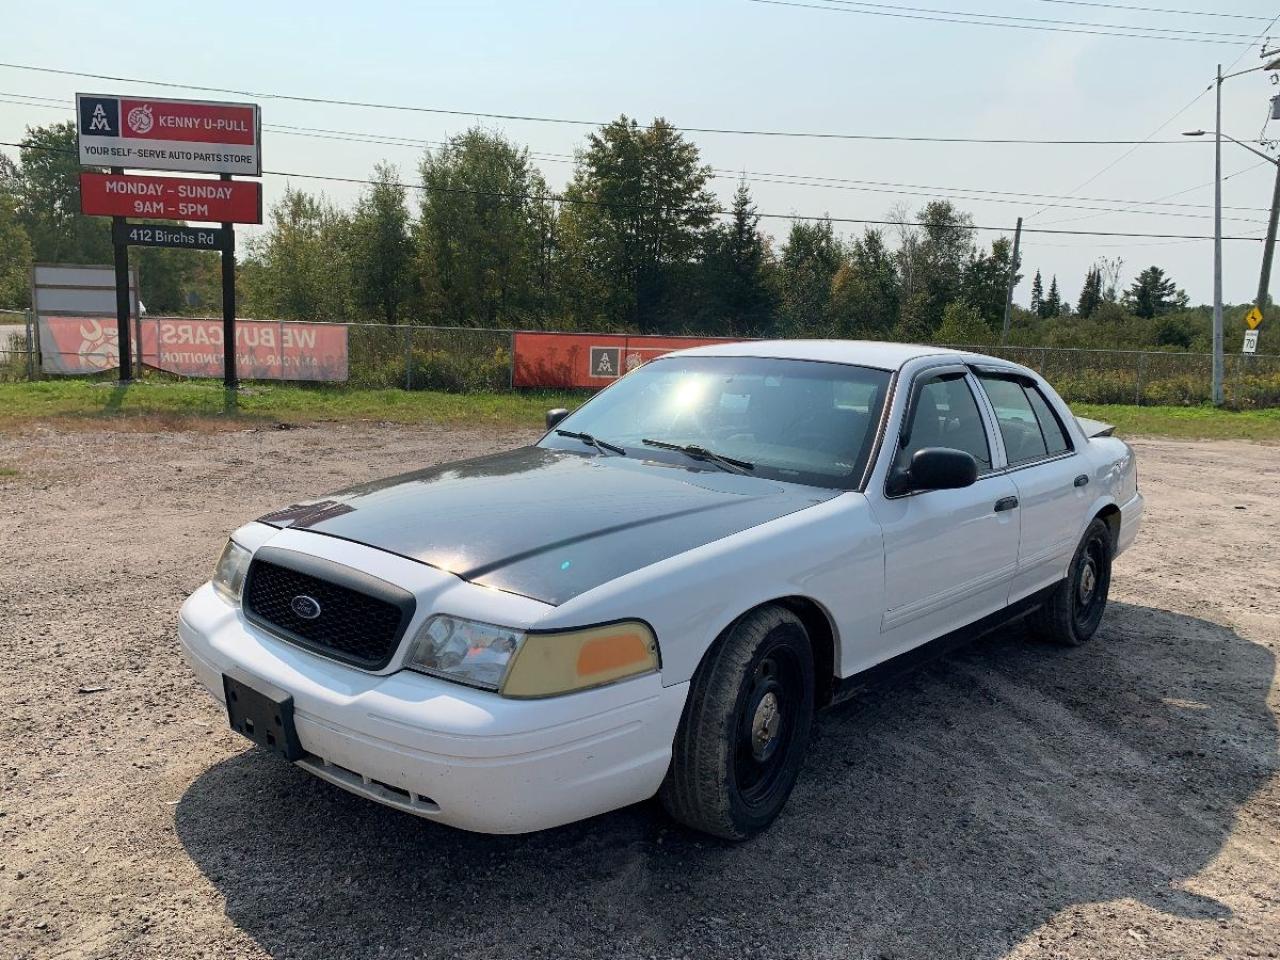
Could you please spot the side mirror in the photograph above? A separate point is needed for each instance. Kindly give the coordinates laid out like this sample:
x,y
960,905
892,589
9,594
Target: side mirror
x,y
942,468
555,416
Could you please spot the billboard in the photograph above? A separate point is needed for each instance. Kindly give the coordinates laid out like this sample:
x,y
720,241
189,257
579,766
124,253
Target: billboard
x,y
170,198
192,347
152,133
589,359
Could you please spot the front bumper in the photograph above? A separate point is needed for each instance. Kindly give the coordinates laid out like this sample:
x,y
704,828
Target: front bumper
x,y
467,758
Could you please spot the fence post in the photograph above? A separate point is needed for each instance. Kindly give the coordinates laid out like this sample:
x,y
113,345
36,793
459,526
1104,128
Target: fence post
x,y
1137,390
511,363
29,319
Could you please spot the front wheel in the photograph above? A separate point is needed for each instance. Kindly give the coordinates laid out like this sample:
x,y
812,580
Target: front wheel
x,y
1074,610
745,728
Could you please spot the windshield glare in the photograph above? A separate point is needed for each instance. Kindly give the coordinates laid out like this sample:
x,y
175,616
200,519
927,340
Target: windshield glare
x,y
798,420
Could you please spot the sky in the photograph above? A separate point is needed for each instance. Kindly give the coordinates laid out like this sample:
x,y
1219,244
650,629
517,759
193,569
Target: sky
x,y
736,64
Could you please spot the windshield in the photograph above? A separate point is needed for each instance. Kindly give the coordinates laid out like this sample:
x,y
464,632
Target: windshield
x,y
797,420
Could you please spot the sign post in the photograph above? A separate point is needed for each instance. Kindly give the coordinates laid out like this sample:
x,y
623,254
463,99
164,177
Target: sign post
x,y
229,378
122,299
190,136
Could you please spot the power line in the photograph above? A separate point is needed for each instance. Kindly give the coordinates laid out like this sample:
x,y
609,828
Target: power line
x,y
328,101
1235,38
1034,20
1194,100
720,211
1166,196
970,194
1132,149
1181,13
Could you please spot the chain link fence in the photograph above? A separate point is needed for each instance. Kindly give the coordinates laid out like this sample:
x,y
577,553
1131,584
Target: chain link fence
x,y
1149,377
470,359
17,346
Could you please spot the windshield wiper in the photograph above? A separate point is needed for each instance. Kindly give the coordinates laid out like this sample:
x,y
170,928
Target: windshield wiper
x,y
702,453
601,445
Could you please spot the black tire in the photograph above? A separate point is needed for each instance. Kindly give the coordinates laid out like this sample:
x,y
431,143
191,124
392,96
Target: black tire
x,y
1074,610
744,732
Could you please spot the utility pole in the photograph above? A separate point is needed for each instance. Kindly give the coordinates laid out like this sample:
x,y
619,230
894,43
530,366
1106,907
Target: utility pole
x,y
1269,248
1013,277
1217,244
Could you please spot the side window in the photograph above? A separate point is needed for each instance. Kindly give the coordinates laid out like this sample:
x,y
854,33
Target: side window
x,y
946,415
1019,427
1055,438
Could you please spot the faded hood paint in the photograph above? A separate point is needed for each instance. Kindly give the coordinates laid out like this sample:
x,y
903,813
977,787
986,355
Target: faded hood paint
x,y
548,524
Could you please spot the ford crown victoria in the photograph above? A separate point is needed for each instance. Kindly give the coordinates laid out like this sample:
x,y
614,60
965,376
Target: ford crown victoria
x,y
657,596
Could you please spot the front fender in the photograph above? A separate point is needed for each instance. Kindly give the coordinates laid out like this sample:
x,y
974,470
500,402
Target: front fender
x,y
831,553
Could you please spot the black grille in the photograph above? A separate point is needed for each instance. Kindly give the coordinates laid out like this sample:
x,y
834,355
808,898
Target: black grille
x,y
360,624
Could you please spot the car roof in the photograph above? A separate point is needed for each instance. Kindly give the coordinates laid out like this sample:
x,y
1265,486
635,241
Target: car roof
x,y
863,353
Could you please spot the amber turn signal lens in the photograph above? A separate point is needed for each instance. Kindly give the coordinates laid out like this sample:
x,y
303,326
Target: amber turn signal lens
x,y
550,663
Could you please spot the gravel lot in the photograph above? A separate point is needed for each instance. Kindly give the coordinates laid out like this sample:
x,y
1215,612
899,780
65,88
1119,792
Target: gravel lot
x,y
1119,800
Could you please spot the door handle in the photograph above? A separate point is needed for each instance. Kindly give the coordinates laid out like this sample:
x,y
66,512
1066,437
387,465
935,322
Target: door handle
x,y
1082,480
1006,503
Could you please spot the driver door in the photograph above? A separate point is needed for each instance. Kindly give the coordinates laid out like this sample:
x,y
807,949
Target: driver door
x,y
949,555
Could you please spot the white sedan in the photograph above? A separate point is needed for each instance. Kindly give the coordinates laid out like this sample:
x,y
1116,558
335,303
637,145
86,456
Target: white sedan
x,y
657,596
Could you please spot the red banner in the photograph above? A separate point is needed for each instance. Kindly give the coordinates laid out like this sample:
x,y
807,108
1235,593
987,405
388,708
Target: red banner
x,y
193,122
170,198
190,347
589,359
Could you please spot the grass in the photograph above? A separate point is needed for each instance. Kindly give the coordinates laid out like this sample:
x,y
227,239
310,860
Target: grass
x,y
1186,423
208,404
176,406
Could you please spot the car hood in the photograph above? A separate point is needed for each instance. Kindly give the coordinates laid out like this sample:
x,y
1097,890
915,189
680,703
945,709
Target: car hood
x,y
548,524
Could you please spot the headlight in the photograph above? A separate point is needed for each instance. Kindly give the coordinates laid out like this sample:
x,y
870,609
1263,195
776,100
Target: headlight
x,y
228,575
519,664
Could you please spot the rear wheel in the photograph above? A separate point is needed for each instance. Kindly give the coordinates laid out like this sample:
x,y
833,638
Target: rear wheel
x,y
745,728
1074,610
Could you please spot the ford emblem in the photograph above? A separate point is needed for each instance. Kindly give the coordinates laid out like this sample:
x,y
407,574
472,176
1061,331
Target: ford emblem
x,y
308,608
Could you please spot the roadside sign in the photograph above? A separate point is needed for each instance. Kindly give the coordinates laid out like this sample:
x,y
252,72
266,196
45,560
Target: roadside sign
x,y
162,235
1250,342
606,362
81,299
1253,318
170,198
78,290
152,133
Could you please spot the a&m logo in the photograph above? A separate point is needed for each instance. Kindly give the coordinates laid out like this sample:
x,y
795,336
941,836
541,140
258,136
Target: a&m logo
x,y
100,116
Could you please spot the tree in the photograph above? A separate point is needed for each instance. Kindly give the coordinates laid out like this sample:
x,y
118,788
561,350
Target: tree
x,y
737,265
49,200
985,283
482,231
1037,295
380,251
946,249
865,292
15,256
962,323
1051,306
1091,292
1153,294
810,259
298,269
639,210
1110,268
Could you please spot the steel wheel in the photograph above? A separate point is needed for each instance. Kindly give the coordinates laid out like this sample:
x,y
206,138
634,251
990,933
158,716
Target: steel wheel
x,y
767,725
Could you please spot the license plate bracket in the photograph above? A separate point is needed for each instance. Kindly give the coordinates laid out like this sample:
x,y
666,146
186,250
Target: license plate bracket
x,y
262,712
